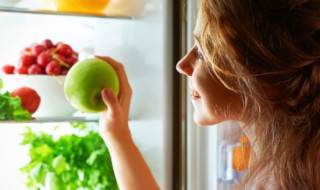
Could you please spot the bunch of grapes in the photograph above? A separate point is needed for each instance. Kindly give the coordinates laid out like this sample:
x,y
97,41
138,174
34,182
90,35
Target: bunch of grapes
x,y
44,58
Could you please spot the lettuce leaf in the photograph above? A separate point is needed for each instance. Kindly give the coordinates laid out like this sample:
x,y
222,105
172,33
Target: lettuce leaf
x,y
11,107
69,162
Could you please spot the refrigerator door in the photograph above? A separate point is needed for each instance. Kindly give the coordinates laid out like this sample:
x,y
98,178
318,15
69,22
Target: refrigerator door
x,y
208,153
194,173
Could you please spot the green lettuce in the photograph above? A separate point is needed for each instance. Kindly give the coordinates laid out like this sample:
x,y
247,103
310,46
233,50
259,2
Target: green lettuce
x,y
68,163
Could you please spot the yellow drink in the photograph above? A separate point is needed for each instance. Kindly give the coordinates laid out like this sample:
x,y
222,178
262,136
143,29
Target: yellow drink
x,y
82,6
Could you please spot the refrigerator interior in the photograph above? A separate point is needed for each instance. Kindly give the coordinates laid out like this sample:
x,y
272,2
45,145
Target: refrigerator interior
x,y
141,43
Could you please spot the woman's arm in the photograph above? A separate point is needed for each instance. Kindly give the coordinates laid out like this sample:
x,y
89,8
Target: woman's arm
x,y
131,170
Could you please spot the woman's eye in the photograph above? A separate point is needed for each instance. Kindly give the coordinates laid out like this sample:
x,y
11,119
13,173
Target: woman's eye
x,y
199,55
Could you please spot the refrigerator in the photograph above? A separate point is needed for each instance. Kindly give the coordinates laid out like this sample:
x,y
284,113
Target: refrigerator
x,y
139,34
148,37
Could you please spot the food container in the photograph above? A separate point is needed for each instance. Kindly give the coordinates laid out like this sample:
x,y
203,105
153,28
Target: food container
x,y
50,89
80,6
126,7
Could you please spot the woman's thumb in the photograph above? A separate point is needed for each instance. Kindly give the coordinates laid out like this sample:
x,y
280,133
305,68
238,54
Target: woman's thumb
x,y
109,99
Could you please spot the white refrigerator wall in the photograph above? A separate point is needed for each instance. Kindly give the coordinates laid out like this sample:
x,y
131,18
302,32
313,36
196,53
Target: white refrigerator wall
x,y
142,44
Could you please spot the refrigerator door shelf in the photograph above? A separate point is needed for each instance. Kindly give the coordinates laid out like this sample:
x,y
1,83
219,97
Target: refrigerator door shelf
x,y
227,173
55,120
75,118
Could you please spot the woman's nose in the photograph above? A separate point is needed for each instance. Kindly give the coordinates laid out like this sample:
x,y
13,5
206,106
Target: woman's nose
x,y
184,66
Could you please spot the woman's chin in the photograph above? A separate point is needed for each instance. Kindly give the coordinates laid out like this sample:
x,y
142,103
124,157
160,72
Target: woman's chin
x,y
203,121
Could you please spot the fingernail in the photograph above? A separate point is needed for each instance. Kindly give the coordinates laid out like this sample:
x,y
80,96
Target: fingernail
x,y
106,92
109,91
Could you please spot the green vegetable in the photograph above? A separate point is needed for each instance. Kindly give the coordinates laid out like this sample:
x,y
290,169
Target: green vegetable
x,y
68,163
11,108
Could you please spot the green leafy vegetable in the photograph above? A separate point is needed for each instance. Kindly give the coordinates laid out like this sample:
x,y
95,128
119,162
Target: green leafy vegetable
x,y
68,163
11,108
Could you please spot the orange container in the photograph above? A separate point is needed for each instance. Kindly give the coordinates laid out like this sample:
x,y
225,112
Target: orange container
x,y
241,154
81,6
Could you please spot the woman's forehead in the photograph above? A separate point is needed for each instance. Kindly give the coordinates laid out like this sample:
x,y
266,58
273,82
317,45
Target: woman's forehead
x,y
199,24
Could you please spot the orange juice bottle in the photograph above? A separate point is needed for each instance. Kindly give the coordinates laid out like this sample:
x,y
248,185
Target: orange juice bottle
x,y
233,160
241,154
81,6
91,6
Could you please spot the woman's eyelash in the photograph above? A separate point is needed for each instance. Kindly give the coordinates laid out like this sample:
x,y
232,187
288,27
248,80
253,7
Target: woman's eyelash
x,y
198,54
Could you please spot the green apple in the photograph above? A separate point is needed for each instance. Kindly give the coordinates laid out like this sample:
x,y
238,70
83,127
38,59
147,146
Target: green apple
x,y
84,82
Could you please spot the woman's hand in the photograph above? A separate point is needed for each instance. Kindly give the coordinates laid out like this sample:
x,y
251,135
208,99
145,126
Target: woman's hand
x,y
114,121
131,170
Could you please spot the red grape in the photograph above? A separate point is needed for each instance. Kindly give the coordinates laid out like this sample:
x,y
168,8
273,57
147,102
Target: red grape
x,y
53,68
26,50
43,58
64,71
47,43
35,70
60,58
57,44
27,60
21,69
51,51
64,49
36,49
71,61
75,55
8,69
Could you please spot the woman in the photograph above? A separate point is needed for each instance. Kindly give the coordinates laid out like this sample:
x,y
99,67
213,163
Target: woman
x,y
254,62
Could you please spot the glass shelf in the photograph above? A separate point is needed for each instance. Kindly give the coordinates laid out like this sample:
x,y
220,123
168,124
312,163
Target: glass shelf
x,y
93,118
51,12
55,120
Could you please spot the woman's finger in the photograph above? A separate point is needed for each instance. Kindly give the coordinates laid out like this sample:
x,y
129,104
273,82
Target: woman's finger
x,y
111,101
123,79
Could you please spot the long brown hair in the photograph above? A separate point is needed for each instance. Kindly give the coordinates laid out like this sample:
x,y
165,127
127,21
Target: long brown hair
x,y
268,51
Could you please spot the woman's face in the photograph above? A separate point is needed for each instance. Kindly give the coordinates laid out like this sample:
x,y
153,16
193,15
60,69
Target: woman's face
x,y
213,103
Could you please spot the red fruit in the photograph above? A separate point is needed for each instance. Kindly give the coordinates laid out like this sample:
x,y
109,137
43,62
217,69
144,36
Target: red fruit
x,y
61,60
36,49
65,50
21,69
75,55
27,60
8,69
35,70
30,99
71,61
47,43
43,58
51,51
53,68
64,71
57,44
26,50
